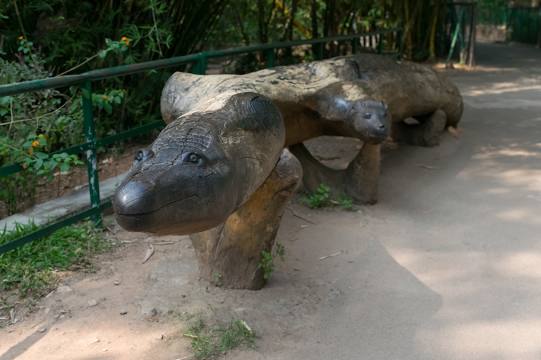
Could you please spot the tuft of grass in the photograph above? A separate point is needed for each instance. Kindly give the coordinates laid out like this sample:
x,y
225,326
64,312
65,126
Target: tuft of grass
x,y
211,342
31,269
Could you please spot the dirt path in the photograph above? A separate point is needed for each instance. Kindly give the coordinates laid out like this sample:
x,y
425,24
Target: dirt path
x,y
445,266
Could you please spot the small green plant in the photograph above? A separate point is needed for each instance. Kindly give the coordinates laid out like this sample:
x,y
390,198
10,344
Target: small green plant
x,y
217,278
322,197
266,263
345,203
319,198
280,250
211,342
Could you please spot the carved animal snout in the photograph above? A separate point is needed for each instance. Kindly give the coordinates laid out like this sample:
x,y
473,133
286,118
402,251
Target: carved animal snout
x,y
133,198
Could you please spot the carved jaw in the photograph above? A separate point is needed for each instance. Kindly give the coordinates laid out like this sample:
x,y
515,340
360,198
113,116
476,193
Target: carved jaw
x,y
182,185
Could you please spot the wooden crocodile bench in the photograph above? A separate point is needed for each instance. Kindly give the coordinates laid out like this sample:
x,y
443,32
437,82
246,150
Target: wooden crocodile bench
x,y
221,170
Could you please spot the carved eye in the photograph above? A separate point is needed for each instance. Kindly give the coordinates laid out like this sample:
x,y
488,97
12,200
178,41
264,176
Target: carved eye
x,y
193,158
367,115
143,155
139,156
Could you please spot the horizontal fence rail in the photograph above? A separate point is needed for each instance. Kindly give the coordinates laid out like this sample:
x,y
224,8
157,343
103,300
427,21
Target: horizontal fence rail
x,y
199,61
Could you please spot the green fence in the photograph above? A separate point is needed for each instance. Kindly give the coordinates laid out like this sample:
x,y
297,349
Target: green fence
x,y
523,24
376,41
492,14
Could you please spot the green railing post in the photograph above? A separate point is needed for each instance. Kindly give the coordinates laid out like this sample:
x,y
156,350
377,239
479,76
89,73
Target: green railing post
x,y
318,51
399,43
354,46
270,57
380,43
91,156
200,67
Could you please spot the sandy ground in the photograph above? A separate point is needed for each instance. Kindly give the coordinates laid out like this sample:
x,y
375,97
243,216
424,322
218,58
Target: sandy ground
x,y
446,266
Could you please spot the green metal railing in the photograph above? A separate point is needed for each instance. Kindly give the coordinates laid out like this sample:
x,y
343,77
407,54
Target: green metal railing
x,y
492,14
199,61
523,24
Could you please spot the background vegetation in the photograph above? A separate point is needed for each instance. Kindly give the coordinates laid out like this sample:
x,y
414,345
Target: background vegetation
x,y
41,38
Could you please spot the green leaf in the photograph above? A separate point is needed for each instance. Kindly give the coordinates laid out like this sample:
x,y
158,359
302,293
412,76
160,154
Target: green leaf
x,y
64,167
108,108
38,164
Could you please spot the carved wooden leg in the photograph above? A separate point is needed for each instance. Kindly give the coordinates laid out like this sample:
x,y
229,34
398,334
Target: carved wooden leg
x,y
427,133
362,175
358,181
229,255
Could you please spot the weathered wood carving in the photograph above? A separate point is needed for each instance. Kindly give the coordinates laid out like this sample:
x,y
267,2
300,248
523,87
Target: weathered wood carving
x,y
220,170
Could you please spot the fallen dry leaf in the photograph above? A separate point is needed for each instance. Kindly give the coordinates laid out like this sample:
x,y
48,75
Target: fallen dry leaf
x,y
331,255
149,253
429,167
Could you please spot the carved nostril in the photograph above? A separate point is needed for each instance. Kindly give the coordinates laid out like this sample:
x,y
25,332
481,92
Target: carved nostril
x,y
382,126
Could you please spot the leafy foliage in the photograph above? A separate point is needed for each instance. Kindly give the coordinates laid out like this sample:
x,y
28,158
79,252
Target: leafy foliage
x,y
70,31
35,126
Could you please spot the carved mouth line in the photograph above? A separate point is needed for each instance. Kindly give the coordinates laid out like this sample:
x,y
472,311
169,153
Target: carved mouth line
x,y
159,208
